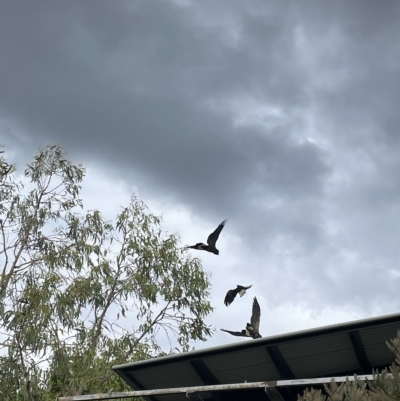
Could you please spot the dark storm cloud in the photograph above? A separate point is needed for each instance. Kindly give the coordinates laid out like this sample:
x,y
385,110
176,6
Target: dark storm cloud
x,y
130,85
153,90
365,49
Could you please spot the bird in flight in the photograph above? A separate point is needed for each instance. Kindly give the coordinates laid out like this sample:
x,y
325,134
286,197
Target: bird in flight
x,y
231,294
211,241
252,328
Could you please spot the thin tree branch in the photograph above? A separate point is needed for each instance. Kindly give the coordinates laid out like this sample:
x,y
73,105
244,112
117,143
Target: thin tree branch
x,y
155,321
26,372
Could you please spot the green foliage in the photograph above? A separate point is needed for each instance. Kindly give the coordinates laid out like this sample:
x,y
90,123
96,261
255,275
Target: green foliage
x,y
79,294
311,394
384,387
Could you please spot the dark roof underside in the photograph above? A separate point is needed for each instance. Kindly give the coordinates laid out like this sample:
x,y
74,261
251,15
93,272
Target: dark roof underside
x,y
338,350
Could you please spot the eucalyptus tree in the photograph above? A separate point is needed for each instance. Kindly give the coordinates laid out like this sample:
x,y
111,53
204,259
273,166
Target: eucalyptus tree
x,y
79,293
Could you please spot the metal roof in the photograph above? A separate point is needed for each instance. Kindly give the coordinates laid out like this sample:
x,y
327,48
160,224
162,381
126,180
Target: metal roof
x,y
337,350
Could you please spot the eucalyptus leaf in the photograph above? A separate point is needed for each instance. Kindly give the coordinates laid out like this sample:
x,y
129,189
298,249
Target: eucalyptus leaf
x,y
83,281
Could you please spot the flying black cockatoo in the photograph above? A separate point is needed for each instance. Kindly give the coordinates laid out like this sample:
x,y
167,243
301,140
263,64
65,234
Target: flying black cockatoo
x,y
252,328
231,294
211,241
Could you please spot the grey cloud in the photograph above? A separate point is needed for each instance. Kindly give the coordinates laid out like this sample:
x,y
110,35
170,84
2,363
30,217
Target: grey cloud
x,y
198,153
150,91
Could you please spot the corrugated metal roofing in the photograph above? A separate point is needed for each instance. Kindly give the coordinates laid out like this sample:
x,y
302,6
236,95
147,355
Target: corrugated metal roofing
x,y
354,347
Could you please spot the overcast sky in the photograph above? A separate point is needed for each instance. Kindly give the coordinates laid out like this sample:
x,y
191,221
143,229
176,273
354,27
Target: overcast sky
x,y
280,116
